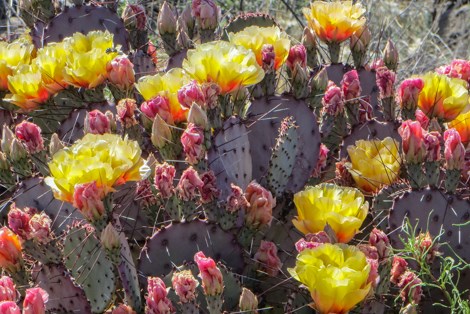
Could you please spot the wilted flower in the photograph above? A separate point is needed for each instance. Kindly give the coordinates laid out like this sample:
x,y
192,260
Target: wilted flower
x,y
297,55
164,175
18,221
351,85
413,143
268,259
158,105
7,289
336,276
268,57
410,286
126,109
212,279
408,93
236,200
206,13
96,122
189,184
134,16
312,240
209,190
166,85
106,159
458,68
454,151
432,141
30,134
10,250
385,80
123,309
335,21
185,285
321,162
35,301
374,163
255,37
9,307
427,246
333,102
422,119
189,94
342,208
399,266
192,140
157,300
379,240
40,226
121,72
88,198
442,97
238,65
261,203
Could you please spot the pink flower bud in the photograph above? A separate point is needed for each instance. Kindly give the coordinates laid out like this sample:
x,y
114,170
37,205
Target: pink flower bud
x,y
164,175
9,307
18,221
365,110
212,279
211,93
297,55
157,300
385,80
422,118
369,251
379,240
96,122
408,92
121,72
399,266
40,225
189,184
391,56
410,286
303,244
457,69
413,143
427,246
351,85
333,103
321,162
268,259
268,57
236,200
30,135
185,286
193,143
190,93
374,276
261,203
454,151
375,64
35,301
432,141
126,112
134,16
248,301
7,289
88,198
206,13
209,190
123,309
157,105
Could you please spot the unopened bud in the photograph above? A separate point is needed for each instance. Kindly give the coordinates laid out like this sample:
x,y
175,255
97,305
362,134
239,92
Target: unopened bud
x,y
110,238
391,56
96,122
7,138
248,301
55,145
30,134
320,81
198,116
166,21
360,40
161,132
309,39
17,150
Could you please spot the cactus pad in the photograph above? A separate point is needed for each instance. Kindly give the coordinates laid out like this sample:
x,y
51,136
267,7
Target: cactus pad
x,y
143,64
265,116
64,295
178,242
176,60
244,20
230,158
86,259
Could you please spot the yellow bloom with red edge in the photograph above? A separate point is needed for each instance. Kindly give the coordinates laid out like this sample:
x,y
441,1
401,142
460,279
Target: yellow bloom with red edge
x,y
13,55
462,125
342,208
50,61
443,97
166,85
106,159
223,63
335,21
374,163
336,276
254,37
10,250
27,89
88,58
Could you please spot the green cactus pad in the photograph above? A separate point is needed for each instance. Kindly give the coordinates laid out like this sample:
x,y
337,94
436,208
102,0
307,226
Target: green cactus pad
x,y
85,19
65,296
178,242
230,158
264,118
86,259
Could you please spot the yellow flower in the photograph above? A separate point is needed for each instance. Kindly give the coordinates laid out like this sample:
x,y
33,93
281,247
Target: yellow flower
x,y
107,159
443,97
27,89
166,85
374,163
462,125
223,63
88,58
342,208
51,61
335,21
13,55
336,276
254,37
